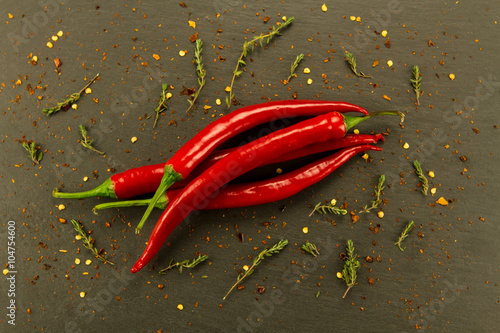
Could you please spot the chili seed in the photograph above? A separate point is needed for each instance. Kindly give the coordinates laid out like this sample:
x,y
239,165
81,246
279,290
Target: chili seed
x,y
380,214
61,207
309,81
452,76
406,145
182,53
340,275
305,230
82,294
74,106
50,45
356,131
85,178
333,202
134,139
54,38
390,63
365,156
433,190
431,174
60,33
180,307
5,271
246,268
324,8
88,262
307,70
77,261
88,91
78,237
279,171
384,33
353,18
218,102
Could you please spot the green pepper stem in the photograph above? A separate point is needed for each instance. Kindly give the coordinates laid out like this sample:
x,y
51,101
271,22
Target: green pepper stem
x,y
106,189
351,121
161,204
170,176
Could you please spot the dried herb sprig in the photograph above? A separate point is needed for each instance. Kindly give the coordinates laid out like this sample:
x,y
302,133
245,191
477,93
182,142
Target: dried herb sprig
x,y
185,263
404,234
421,177
378,192
351,266
32,149
87,143
199,71
266,253
72,99
161,105
352,62
88,242
249,46
310,248
294,67
330,208
416,82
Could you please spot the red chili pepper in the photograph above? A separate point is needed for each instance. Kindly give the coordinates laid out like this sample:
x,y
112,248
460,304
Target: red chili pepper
x,y
145,179
319,129
260,192
348,141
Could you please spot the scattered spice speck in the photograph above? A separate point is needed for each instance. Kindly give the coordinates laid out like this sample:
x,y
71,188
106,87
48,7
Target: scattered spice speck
x,y
192,24
442,201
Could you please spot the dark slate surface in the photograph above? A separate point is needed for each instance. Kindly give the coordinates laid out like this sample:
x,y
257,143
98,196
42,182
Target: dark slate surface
x,y
447,279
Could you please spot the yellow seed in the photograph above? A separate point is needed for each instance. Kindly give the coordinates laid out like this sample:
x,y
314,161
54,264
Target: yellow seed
x,y
78,237
19,82
433,190
358,19
82,294
390,63
10,15
77,261
61,207
85,273
284,18
228,89
54,38
356,131
34,59
88,262
452,76
168,95
442,201
365,156
384,33
307,70
305,230
406,145
180,307
431,174
88,91
85,178
60,33
380,214
279,171
5,271
309,81
218,102
246,268
156,56
353,18
134,139
333,202
324,8
74,106
340,275
50,45
182,53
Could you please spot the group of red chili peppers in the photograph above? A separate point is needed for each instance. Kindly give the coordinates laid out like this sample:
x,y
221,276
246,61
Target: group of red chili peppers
x,y
196,176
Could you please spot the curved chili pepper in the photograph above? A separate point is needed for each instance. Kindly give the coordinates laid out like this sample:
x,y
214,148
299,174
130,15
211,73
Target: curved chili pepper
x,y
260,192
348,141
319,129
145,179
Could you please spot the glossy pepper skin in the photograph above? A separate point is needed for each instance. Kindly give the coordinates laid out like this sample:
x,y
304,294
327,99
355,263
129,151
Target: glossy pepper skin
x,y
269,190
322,128
145,179
239,195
